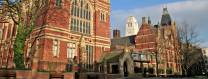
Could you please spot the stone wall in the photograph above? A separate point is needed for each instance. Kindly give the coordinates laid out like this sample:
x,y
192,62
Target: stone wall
x,y
28,74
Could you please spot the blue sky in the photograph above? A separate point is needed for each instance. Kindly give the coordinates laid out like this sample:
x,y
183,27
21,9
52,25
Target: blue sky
x,y
193,12
130,4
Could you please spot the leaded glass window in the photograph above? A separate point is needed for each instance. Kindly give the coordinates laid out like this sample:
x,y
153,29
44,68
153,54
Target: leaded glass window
x,y
81,17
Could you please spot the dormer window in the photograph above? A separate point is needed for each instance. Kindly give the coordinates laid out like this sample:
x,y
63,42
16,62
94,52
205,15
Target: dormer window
x,y
58,3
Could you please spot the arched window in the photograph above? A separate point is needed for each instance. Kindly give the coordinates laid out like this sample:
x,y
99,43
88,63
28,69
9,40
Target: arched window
x,y
81,20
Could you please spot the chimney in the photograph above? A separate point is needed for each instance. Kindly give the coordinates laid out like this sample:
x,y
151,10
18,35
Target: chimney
x,y
144,20
116,33
149,20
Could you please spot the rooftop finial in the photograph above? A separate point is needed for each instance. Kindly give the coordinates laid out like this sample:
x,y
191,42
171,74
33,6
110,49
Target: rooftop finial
x,y
165,9
165,6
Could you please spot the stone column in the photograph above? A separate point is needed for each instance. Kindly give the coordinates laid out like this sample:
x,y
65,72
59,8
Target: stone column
x,y
121,70
105,67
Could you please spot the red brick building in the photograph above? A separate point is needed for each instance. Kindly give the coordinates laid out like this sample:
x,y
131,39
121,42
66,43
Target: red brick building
x,y
55,41
153,41
7,36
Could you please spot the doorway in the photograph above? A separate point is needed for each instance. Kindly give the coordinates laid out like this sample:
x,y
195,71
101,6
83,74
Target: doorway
x,y
115,69
125,67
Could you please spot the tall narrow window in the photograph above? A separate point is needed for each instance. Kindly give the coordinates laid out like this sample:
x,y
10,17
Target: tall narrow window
x,y
58,3
82,14
89,50
55,48
71,50
102,16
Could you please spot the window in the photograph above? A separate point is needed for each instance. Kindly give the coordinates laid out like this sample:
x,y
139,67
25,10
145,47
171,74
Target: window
x,y
135,56
58,3
130,25
71,50
143,57
55,48
81,17
102,17
89,51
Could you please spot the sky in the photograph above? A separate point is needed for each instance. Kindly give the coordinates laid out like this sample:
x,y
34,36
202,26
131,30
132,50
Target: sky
x,y
193,12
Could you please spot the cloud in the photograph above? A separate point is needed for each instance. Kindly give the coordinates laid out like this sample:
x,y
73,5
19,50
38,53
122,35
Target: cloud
x,y
194,12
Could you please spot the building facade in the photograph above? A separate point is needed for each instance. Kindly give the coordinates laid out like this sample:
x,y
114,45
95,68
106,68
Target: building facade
x,y
132,26
7,36
155,47
59,33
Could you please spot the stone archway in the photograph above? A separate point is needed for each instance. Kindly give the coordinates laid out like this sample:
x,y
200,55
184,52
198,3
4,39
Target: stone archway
x,y
126,65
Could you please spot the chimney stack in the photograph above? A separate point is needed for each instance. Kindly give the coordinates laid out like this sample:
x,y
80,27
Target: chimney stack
x,y
116,33
144,20
149,20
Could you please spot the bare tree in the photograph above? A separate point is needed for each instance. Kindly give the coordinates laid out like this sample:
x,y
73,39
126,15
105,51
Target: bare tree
x,y
189,42
24,14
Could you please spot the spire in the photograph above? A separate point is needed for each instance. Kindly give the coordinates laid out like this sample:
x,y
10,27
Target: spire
x,y
165,10
166,19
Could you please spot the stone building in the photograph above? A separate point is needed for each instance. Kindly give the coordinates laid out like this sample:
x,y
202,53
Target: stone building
x,y
117,62
55,40
154,42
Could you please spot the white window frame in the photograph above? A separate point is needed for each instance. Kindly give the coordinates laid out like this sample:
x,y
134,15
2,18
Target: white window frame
x,y
81,18
71,50
55,48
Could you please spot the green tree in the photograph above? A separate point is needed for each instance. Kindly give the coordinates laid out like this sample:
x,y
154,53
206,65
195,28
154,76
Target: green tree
x,y
24,13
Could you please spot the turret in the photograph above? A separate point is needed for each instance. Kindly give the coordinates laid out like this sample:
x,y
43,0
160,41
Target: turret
x,y
166,19
131,26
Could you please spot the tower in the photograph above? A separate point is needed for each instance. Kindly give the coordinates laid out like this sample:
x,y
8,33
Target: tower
x,y
166,19
131,26
168,39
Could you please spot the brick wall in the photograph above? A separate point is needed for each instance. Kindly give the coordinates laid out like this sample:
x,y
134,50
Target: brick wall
x,y
146,39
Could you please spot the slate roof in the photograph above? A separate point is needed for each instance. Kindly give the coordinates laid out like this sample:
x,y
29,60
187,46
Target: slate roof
x,y
129,40
166,20
113,56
